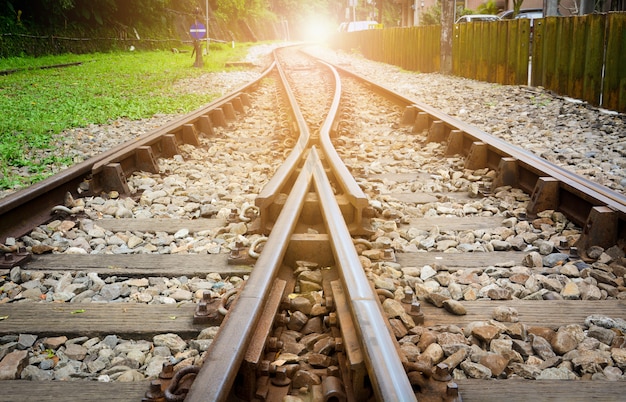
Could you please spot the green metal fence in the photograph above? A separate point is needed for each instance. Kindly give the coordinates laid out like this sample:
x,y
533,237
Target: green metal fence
x,y
583,56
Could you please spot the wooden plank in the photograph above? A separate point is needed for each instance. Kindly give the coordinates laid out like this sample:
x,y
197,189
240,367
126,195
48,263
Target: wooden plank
x,y
564,44
482,73
614,90
550,36
521,63
72,391
456,261
537,53
455,223
129,320
160,225
490,30
140,264
594,58
500,56
519,390
577,64
398,177
548,313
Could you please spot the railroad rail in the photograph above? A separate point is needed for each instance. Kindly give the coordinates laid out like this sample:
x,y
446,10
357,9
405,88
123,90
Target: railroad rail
x,y
310,211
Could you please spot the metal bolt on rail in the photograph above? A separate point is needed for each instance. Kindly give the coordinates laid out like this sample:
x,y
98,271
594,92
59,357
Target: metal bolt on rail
x,y
154,393
13,259
208,310
281,379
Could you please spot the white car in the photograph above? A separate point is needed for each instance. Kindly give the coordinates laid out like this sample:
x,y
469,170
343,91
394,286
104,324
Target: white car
x,y
477,17
358,26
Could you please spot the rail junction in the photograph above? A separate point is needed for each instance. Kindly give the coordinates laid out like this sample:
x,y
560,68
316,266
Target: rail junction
x,y
320,314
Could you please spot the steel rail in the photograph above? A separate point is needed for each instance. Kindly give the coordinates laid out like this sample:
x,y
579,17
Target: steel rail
x,y
219,369
538,165
343,176
29,207
282,174
385,368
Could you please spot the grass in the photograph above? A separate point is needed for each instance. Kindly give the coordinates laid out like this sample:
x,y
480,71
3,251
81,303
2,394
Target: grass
x,y
37,104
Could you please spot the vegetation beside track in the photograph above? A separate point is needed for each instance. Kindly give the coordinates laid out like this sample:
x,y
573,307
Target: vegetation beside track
x,y
36,104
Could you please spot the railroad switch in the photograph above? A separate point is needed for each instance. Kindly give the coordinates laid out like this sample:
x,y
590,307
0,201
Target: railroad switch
x,y
13,259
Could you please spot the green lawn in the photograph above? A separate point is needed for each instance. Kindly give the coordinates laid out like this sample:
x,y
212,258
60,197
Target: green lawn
x,y
36,104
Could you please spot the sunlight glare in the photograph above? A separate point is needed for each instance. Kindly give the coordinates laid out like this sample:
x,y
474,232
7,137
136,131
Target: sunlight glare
x,y
318,29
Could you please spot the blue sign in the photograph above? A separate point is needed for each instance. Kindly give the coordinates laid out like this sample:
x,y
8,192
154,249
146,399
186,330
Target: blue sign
x,y
197,30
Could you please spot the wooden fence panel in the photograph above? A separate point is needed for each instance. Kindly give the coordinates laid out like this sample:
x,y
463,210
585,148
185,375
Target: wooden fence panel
x,y
501,44
594,59
434,38
568,55
577,58
521,51
563,54
492,51
549,77
482,50
537,52
614,93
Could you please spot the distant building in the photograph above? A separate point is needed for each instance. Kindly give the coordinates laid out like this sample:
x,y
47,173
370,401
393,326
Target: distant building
x,y
412,9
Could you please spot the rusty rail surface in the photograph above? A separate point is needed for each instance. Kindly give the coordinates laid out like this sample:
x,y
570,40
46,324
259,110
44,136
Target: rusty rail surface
x,y
600,211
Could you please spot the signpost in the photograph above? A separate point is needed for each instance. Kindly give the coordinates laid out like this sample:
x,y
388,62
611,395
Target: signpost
x,y
197,32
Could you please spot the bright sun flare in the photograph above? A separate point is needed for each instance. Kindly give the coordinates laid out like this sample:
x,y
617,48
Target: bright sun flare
x,y
318,29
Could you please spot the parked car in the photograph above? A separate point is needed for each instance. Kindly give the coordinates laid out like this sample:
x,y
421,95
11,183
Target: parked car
x,y
477,17
530,13
353,26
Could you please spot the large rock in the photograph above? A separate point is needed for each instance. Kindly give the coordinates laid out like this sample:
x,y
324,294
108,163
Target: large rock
x,y
475,370
592,361
12,365
494,362
486,333
505,314
174,342
555,373
604,335
541,347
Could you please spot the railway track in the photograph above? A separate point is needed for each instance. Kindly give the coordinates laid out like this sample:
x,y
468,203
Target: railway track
x,y
338,234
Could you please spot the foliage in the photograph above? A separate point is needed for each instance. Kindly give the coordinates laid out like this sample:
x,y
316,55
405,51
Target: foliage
x,y
36,105
517,5
432,15
488,7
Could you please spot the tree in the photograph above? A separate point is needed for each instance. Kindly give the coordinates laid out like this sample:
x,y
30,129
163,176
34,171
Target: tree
x,y
488,7
447,27
517,5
